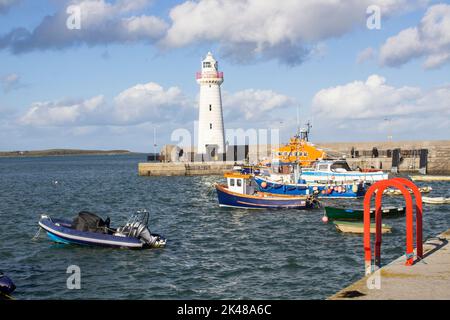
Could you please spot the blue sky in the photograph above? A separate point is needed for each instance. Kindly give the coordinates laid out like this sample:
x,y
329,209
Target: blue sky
x,y
129,70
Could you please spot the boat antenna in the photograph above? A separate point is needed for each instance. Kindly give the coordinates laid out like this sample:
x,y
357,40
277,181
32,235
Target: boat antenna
x,y
298,120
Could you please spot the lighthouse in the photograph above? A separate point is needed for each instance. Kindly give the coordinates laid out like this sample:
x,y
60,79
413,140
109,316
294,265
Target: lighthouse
x,y
211,137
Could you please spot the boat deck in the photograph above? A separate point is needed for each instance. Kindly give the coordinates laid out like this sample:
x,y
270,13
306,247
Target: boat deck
x,y
425,280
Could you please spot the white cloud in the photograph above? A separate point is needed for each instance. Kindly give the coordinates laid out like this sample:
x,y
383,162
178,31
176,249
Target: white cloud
x,y
285,30
62,113
374,98
139,104
430,39
102,22
254,105
150,102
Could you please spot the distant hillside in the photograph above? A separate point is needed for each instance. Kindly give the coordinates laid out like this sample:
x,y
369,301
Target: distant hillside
x,y
60,152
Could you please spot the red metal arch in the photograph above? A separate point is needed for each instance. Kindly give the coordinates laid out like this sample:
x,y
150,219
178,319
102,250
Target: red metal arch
x,y
402,185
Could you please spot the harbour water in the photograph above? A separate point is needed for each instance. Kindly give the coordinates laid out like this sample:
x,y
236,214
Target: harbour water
x,y
212,252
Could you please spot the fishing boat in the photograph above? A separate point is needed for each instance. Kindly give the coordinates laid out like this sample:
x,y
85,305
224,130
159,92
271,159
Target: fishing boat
x,y
436,200
326,190
6,287
339,172
358,227
239,192
89,229
334,213
298,151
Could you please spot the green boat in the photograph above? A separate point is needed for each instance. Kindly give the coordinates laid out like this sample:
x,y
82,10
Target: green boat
x,y
333,213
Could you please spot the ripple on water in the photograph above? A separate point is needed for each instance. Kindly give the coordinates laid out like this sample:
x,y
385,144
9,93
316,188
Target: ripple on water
x,y
212,252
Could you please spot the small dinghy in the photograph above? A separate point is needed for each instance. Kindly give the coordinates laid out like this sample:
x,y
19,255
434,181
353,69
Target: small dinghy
x,y
357,227
89,229
436,200
6,287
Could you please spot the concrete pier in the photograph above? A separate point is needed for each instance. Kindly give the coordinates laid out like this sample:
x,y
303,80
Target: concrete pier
x,y
184,169
428,279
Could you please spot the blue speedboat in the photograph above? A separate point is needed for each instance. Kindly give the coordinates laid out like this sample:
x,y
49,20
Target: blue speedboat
x,y
89,229
240,193
331,190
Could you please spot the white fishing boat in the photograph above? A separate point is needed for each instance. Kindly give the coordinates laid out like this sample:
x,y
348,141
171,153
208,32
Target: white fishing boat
x,y
338,171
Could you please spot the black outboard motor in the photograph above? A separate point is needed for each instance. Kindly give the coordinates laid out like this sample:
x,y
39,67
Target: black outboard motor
x,y
6,285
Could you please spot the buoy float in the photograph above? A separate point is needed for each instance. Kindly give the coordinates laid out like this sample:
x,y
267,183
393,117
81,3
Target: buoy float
x,y
324,219
264,184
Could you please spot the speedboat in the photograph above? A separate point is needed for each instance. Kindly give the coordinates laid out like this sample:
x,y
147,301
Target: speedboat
x,y
240,193
89,229
6,287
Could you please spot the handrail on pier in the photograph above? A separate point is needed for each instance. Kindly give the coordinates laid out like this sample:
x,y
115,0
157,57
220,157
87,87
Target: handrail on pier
x,y
401,184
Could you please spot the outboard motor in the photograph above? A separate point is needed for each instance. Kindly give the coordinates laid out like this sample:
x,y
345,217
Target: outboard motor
x,y
136,227
6,285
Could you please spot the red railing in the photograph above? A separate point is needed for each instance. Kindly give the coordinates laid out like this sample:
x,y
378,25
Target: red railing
x,y
403,185
209,75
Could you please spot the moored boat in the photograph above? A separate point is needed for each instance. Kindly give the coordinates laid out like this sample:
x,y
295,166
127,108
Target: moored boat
x,y
436,200
358,227
396,192
334,213
241,193
339,172
331,190
89,229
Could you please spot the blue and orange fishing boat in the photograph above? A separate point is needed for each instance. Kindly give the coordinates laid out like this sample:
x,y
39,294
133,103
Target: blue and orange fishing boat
x,y
241,193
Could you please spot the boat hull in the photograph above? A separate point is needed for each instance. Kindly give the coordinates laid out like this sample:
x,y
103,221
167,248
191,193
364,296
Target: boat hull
x,y
334,213
358,228
322,190
60,231
234,200
369,177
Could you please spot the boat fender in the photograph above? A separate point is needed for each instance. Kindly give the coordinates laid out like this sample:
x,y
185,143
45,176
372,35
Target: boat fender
x,y
264,184
355,188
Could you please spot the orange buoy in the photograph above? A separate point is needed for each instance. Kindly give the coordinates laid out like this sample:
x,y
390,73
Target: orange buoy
x,y
264,184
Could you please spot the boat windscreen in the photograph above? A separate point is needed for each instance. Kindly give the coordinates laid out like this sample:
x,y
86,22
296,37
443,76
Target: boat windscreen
x,y
340,166
87,221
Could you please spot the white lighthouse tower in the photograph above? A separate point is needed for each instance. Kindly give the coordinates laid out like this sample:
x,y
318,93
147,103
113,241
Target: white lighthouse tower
x,y
211,138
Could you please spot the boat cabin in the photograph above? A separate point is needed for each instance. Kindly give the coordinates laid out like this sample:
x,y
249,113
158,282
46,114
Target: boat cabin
x,y
240,183
339,166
